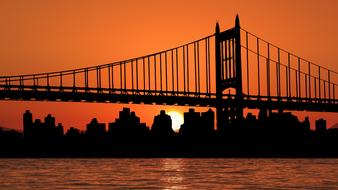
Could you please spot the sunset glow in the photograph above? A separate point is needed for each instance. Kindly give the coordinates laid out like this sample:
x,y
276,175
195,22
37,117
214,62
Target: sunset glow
x,y
176,119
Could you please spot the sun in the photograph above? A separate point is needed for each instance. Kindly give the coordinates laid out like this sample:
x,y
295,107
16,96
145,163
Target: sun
x,y
176,119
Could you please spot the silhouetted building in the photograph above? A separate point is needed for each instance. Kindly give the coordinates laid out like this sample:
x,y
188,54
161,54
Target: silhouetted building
x,y
41,131
320,125
127,127
191,123
73,133
306,124
96,130
197,127
283,121
28,124
162,126
208,121
59,131
49,121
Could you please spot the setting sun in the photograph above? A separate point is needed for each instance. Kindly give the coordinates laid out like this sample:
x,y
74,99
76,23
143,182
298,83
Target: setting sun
x,y
177,120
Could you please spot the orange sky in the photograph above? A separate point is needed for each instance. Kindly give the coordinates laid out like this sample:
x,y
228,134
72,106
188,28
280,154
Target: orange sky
x,y
42,36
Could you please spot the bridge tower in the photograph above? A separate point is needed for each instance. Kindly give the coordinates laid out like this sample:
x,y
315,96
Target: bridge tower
x,y
228,76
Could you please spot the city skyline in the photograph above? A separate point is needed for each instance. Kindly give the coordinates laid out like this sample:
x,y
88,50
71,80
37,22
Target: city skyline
x,y
162,122
268,134
125,114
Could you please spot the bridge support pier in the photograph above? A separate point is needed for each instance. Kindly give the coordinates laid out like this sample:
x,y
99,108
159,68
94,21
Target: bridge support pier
x,y
228,55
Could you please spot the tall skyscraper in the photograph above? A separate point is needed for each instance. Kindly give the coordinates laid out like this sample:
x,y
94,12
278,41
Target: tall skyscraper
x,y
27,124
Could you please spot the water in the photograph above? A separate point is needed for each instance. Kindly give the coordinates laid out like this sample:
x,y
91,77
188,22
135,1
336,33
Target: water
x,y
168,173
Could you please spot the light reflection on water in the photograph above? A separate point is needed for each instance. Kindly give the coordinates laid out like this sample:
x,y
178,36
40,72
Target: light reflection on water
x,y
168,173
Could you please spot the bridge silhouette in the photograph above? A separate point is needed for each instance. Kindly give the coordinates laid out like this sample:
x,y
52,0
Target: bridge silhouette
x,y
229,70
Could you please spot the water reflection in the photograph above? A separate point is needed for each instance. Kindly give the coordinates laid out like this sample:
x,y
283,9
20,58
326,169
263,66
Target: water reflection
x,y
172,173
168,173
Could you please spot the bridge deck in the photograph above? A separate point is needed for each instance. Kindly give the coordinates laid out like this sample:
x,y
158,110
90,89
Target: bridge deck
x,y
69,94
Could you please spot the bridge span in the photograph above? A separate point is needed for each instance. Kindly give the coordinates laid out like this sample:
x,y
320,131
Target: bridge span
x,y
229,70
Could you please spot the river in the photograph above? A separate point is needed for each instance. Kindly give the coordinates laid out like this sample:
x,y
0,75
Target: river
x,y
168,173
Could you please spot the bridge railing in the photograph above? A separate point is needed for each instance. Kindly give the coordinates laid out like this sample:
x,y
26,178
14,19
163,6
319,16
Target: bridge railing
x,y
186,70
270,72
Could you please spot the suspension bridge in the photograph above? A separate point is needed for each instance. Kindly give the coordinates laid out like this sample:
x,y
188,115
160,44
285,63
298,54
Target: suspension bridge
x,y
229,70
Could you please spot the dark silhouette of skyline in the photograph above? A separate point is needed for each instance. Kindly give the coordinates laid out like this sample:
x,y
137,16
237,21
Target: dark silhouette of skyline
x,y
266,135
